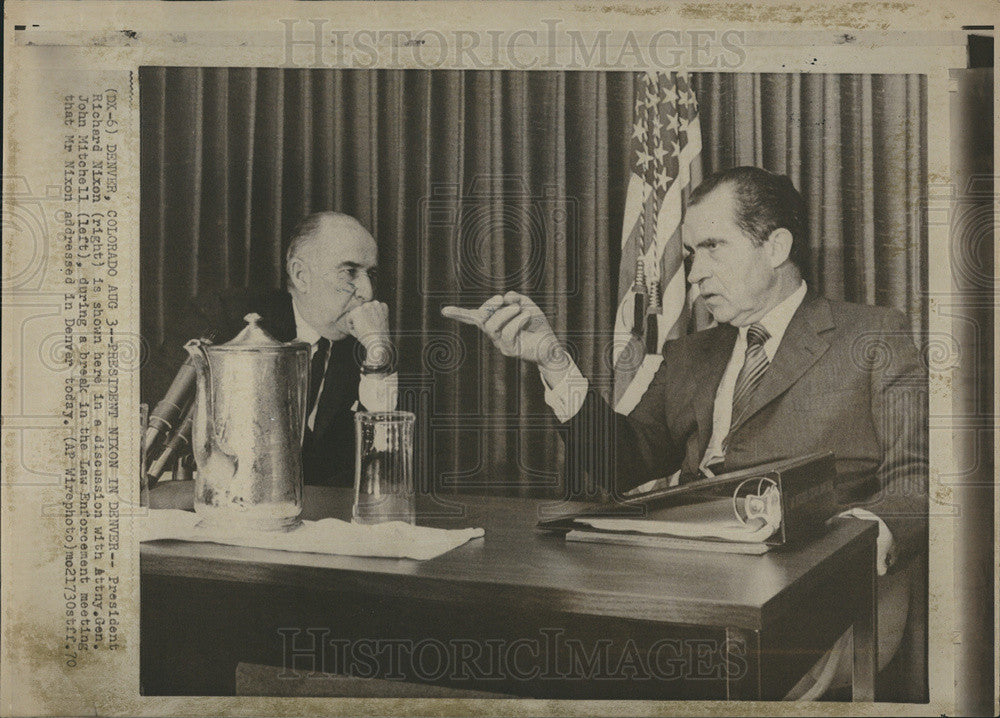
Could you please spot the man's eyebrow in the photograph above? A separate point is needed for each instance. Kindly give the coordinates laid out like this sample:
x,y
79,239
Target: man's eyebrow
x,y
355,265
706,240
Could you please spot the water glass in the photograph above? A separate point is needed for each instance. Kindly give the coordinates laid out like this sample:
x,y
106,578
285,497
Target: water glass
x,y
383,468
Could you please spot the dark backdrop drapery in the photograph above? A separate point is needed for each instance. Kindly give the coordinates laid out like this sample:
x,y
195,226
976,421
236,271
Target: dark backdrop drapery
x,y
475,182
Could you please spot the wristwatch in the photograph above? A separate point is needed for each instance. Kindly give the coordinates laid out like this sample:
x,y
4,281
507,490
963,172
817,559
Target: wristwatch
x,y
383,356
385,368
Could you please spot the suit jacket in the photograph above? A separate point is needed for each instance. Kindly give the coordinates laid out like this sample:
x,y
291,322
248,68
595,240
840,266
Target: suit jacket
x,y
328,452
846,378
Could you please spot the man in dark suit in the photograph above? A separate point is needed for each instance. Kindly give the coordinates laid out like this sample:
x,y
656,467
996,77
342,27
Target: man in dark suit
x,y
330,305
786,372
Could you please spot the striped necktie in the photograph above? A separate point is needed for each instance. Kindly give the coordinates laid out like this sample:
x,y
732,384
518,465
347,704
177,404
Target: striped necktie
x,y
754,366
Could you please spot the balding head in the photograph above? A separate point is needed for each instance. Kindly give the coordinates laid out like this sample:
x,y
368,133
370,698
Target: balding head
x,y
329,263
320,229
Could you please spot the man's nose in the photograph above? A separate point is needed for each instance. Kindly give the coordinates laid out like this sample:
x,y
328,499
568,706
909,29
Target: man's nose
x,y
697,271
363,288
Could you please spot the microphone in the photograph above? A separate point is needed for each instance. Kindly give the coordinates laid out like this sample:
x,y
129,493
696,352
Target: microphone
x,y
172,406
178,445
169,409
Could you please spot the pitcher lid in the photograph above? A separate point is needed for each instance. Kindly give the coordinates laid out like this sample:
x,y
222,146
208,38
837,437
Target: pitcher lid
x,y
254,336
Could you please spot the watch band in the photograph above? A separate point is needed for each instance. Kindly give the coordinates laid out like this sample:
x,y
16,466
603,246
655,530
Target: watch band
x,y
384,356
385,368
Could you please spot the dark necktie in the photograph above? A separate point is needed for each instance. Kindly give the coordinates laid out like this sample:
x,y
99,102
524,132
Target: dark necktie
x,y
316,371
754,366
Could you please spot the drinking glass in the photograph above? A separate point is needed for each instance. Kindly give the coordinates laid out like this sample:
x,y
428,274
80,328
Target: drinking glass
x,y
383,468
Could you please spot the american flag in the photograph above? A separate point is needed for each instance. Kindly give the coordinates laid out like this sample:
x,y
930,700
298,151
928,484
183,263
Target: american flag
x,y
665,165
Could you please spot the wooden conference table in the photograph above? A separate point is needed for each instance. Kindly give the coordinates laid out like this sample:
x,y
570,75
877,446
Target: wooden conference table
x,y
517,612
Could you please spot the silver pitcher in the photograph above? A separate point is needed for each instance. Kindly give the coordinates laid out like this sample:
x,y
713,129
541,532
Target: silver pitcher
x,y
249,422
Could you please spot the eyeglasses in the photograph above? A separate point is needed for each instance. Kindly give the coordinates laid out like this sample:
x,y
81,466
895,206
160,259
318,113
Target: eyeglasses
x,y
350,276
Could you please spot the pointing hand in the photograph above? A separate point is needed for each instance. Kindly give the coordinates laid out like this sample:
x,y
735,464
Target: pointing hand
x,y
517,327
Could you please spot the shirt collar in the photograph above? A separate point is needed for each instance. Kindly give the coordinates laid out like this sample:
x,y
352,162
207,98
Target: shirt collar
x,y
303,330
777,320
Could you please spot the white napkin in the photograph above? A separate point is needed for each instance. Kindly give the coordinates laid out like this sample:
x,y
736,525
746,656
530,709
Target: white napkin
x,y
394,539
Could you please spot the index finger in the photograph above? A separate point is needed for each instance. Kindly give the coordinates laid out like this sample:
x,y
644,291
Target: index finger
x,y
467,316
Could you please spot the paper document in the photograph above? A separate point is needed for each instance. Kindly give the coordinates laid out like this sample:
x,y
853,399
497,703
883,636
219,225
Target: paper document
x,y
709,520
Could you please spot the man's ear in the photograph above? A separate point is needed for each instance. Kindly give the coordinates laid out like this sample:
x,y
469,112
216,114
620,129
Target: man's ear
x,y
298,274
780,243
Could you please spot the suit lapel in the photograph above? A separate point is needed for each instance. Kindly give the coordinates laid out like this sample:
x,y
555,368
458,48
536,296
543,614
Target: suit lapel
x,y
800,348
708,374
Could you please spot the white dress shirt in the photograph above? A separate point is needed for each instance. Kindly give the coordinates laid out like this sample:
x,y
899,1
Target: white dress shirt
x,y
377,392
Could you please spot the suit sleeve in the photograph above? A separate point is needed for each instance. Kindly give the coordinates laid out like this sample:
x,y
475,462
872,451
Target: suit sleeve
x,y
607,453
899,411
